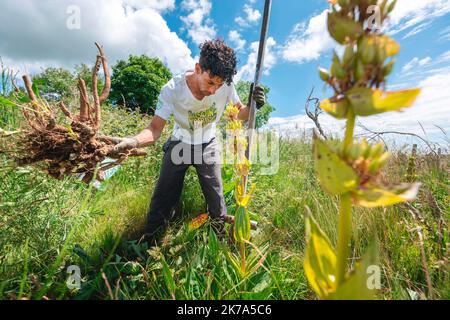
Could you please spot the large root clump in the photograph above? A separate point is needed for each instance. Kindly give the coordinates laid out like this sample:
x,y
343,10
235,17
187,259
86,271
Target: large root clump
x,y
74,148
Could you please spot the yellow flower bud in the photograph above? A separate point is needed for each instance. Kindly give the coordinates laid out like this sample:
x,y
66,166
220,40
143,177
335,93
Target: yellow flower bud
x,y
376,150
234,125
336,68
391,6
243,167
344,3
348,55
384,158
380,51
324,75
359,71
367,50
374,166
231,112
387,69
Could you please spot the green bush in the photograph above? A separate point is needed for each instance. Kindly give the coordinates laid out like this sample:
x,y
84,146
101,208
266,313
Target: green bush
x,y
136,83
55,80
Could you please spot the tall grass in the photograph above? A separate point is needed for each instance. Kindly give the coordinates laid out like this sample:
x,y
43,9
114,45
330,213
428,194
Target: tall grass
x,y
47,225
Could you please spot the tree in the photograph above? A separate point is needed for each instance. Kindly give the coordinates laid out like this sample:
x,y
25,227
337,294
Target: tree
x,y
138,81
55,81
263,114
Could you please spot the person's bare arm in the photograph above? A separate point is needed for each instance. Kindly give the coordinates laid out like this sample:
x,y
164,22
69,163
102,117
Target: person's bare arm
x,y
145,138
152,133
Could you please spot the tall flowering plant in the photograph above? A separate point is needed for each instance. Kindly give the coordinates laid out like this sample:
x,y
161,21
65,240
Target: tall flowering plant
x,y
237,145
351,169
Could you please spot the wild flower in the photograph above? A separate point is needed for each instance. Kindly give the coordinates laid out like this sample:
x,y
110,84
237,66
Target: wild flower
x,y
243,264
351,169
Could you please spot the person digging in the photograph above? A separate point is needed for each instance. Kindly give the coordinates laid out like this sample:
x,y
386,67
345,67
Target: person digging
x,y
196,99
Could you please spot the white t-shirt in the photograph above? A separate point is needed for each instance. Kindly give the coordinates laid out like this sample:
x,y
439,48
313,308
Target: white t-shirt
x,y
195,120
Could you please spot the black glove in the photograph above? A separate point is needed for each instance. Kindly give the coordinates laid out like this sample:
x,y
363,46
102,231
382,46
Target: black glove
x,y
259,96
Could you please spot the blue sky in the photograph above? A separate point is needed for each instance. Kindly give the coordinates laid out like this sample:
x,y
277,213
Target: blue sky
x,y
36,35
290,82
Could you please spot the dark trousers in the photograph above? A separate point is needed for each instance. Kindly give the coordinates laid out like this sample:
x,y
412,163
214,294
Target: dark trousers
x,y
178,157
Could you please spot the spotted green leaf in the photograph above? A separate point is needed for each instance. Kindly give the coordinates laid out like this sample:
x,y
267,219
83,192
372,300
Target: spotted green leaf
x,y
335,108
334,174
375,196
367,102
320,259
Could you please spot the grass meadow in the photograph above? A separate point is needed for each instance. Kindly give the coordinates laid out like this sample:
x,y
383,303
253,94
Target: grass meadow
x,y
47,225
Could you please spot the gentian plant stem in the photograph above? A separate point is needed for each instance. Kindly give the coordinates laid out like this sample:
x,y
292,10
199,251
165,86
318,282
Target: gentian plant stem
x,y
345,231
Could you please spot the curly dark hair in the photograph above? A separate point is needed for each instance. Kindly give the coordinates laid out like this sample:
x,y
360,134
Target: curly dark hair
x,y
219,59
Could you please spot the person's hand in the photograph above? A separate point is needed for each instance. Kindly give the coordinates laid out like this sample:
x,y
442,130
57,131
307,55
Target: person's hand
x,y
125,145
259,96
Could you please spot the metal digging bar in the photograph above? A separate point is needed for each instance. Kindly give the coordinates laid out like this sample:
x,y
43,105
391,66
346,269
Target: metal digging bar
x,y
252,105
258,75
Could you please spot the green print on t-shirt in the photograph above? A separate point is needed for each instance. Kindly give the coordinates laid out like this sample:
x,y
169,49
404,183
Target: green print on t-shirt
x,y
202,118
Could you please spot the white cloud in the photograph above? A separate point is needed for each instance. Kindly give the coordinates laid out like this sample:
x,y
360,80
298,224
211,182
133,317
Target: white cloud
x,y
240,21
159,5
418,29
430,108
416,62
308,41
445,34
236,38
36,35
200,27
417,69
252,16
247,72
408,14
